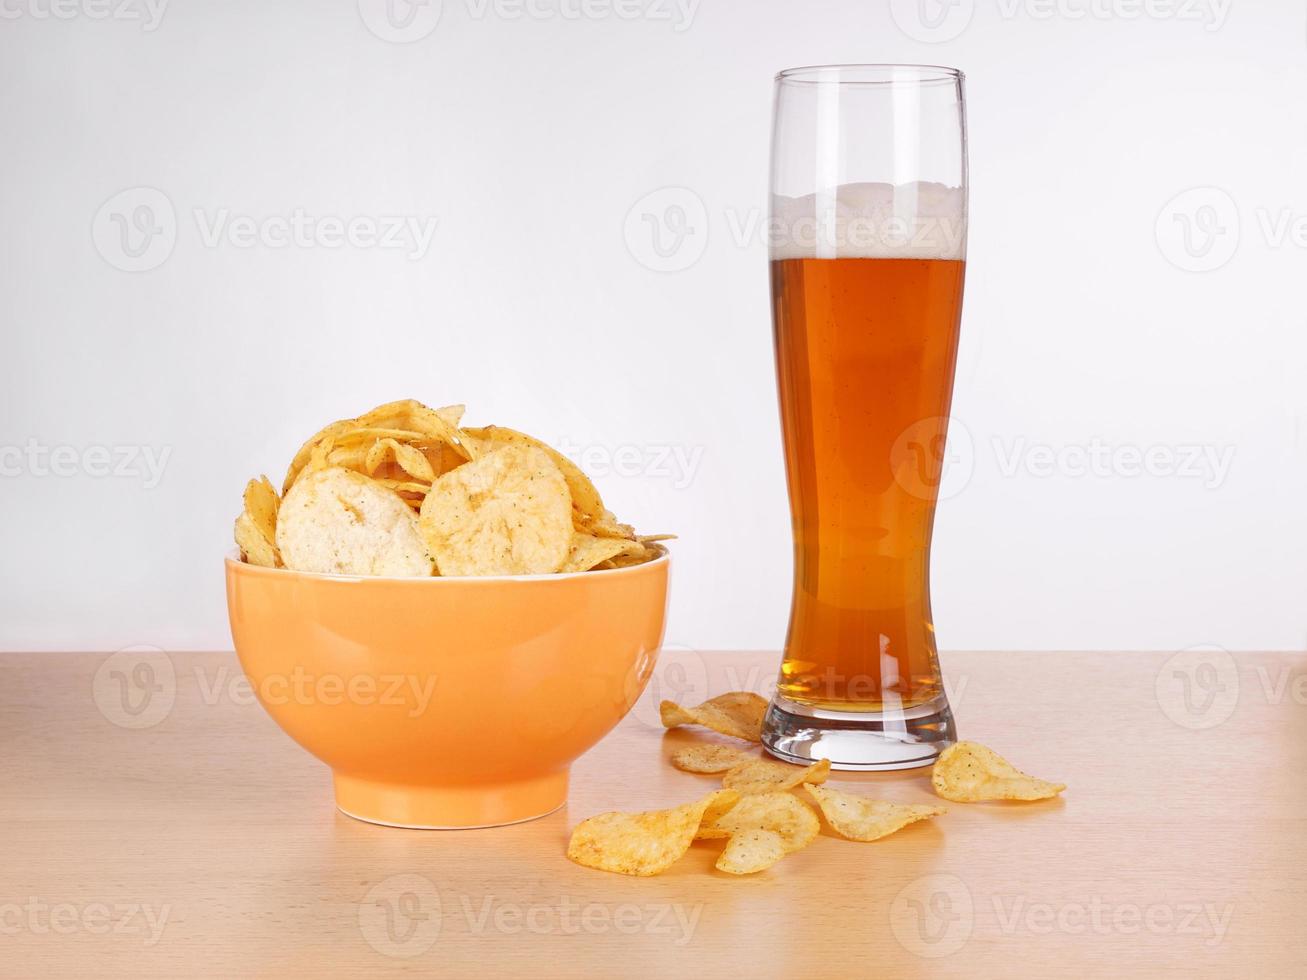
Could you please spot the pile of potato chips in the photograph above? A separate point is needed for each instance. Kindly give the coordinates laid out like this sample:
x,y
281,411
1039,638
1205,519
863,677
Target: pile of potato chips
x,y
757,812
403,490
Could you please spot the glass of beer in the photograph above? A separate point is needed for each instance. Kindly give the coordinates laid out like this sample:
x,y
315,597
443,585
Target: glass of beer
x,y
868,244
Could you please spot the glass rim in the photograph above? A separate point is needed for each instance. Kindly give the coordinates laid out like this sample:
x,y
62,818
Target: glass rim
x,y
869,74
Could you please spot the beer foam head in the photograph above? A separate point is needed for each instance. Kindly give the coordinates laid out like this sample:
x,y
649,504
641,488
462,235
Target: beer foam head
x,y
918,220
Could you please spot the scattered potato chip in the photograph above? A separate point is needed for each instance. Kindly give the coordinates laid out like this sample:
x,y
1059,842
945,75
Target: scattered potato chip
x,y
860,818
338,521
738,714
767,776
751,851
968,772
707,758
506,513
641,844
782,813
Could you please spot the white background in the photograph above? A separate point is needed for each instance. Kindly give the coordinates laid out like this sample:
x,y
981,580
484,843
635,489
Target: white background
x,y
1091,321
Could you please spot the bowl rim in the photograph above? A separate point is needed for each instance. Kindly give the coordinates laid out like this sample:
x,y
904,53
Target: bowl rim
x,y
233,558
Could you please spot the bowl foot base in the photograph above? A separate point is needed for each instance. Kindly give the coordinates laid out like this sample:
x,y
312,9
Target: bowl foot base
x,y
461,807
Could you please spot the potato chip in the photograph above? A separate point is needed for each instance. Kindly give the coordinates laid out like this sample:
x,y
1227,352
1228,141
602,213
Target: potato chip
x,y
738,714
968,772
781,813
261,503
586,502
256,527
767,776
255,548
411,460
402,486
751,851
642,844
507,513
305,452
860,818
606,525
337,521
707,758
587,551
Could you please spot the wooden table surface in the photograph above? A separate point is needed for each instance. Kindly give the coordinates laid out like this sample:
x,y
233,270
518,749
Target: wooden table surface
x,y
186,835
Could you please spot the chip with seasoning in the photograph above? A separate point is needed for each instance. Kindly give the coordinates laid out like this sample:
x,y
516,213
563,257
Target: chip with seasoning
x,y
859,818
738,714
643,844
766,776
492,500
968,772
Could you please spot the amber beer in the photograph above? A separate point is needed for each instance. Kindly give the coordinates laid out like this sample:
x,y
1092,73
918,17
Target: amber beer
x,y
865,352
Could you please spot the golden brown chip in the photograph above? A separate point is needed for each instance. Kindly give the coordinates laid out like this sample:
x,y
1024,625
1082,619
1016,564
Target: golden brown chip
x,y
410,459
751,851
587,551
968,772
738,714
586,501
506,513
860,818
641,843
341,522
766,776
255,548
256,527
606,525
305,452
782,813
707,758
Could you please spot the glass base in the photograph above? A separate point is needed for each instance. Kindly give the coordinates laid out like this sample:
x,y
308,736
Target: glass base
x,y
906,738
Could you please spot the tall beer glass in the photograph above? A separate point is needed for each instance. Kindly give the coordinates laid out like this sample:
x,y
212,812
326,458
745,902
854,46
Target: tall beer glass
x,y
868,244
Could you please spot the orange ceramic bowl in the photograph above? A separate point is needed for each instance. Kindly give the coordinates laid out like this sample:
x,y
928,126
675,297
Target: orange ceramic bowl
x,y
448,702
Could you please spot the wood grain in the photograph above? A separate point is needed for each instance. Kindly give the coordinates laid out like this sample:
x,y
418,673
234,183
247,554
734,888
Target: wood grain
x,y
207,843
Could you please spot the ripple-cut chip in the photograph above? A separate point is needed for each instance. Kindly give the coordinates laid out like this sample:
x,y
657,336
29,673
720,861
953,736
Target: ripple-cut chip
x,y
507,513
707,758
751,851
781,813
860,818
340,522
968,772
738,714
766,776
642,844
